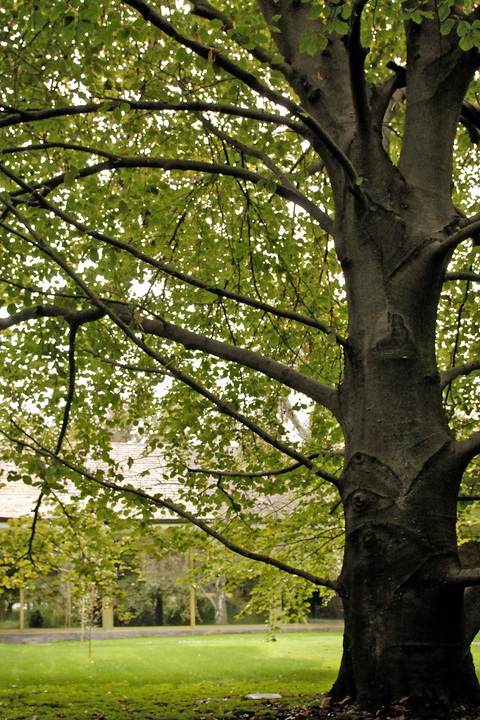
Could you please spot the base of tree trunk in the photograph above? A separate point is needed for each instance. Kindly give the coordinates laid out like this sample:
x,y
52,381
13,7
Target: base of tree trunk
x,y
403,710
437,684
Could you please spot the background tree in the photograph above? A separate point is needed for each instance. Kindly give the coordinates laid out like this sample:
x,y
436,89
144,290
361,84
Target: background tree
x,y
211,210
69,565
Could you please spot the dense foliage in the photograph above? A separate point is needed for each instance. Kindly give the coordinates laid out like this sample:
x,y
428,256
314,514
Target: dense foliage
x,y
161,241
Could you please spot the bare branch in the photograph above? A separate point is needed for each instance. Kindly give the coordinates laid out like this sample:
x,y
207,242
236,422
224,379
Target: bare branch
x,y
183,277
259,474
248,151
125,366
71,387
33,289
36,515
75,320
181,512
464,275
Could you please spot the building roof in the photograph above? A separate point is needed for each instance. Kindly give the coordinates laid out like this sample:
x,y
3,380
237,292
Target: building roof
x,y
147,473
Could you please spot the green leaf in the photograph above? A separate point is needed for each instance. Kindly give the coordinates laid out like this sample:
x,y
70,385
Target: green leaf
x,y
467,42
447,26
443,10
311,42
464,28
271,185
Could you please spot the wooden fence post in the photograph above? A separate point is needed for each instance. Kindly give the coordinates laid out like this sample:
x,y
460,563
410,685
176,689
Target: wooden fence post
x,y
192,593
22,609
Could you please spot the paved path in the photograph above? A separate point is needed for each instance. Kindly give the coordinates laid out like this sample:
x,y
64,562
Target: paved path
x,y
38,637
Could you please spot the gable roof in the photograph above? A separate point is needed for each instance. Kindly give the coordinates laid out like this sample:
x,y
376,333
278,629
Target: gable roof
x,y
147,473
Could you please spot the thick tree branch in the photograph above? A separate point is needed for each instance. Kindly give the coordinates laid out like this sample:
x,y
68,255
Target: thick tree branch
x,y
293,379
439,73
203,9
472,611
356,60
18,116
470,118
382,99
447,376
41,311
466,275
470,113
167,504
156,19
468,228
182,277
468,449
466,578
32,313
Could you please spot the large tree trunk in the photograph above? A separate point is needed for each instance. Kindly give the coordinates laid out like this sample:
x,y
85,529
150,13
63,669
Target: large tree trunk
x,y
405,633
405,629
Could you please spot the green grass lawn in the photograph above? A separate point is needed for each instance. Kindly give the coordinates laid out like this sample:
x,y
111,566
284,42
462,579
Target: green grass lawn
x,y
167,678
164,677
